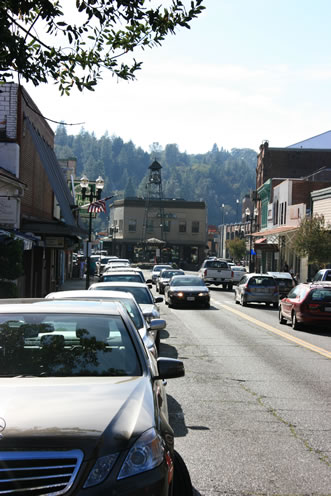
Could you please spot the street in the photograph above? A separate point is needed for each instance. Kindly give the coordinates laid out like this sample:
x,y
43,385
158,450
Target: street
x,y
252,415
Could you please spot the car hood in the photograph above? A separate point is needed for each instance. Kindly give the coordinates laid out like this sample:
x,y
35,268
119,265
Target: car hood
x,y
186,289
149,310
92,414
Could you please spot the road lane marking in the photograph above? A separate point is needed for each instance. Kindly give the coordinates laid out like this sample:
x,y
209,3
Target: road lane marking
x,y
283,334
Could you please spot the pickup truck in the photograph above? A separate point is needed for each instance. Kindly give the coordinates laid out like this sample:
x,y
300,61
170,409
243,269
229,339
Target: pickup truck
x,y
217,272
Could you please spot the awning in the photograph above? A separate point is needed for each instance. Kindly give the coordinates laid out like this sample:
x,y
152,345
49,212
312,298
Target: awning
x,y
261,240
54,174
54,229
275,231
28,238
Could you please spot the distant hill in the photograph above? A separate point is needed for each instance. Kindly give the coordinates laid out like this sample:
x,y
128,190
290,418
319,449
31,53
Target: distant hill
x,y
218,176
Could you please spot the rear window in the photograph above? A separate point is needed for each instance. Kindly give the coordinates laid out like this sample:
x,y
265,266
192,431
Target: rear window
x,y
262,281
216,264
122,278
323,295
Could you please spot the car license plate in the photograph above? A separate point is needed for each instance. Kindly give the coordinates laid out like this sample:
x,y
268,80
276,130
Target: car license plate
x,y
190,298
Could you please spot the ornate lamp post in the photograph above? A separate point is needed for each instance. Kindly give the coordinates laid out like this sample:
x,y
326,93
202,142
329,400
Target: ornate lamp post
x,y
237,202
251,217
93,194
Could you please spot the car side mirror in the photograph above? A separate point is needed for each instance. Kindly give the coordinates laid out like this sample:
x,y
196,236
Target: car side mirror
x,y
169,368
157,324
159,299
150,286
149,281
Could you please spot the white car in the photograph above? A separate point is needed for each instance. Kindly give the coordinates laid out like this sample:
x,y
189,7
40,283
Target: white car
x,y
157,269
149,331
238,272
140,291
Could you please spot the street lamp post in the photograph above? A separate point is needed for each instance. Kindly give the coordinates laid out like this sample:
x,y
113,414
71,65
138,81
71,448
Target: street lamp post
x,y
251,217
94,194
237,202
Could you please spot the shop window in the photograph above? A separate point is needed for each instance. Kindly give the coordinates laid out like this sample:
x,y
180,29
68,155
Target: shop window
x,y
182,226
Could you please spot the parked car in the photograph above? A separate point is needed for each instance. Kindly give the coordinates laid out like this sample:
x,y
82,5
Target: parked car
x,y
122,276
307,304
164,278
127,268
238,271
186,289
285,282
216,272
120,262
101,264
257,288
322,275
156,271
140,291
149,331
95,417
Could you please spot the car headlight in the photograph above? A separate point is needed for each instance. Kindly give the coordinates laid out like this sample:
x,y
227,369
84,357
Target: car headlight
x,y
101,470
203,294
146,454
180,294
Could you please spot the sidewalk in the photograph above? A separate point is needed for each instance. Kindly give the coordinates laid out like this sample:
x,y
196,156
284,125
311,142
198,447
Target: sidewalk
x,y
72,284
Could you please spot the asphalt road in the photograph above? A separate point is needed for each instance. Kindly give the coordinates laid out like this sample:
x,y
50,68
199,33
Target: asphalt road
x,y
252,416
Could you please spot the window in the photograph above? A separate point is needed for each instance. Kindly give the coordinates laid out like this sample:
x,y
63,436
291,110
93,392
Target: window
x,y
120,226
195,226
182,226
132,225
167,225
150,226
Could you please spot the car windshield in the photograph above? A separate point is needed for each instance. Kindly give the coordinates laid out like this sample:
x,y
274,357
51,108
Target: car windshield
x,y
187,281
122,277
158,268
323,295
66,345
142,295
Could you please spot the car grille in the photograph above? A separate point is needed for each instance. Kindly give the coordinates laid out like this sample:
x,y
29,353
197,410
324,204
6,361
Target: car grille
x,y
38,473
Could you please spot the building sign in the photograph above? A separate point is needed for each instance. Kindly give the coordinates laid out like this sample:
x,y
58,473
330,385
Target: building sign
x,y
8,211
54,242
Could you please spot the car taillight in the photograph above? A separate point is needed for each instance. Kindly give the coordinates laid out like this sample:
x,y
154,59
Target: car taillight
x,y
247,288
232,274
205,273
314,307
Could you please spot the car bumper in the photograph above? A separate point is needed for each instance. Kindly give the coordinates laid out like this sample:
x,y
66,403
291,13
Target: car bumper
x,y
260,298
314,319
188,299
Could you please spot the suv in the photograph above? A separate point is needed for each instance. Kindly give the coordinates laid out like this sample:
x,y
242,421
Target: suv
x,y
307,303
322,275
285,282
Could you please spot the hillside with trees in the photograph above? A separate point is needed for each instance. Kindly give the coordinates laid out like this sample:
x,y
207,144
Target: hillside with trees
x,y
218,176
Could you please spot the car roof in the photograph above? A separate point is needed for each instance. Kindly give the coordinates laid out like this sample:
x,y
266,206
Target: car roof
x,y
162,266
125,284
284,275
85,293
61,307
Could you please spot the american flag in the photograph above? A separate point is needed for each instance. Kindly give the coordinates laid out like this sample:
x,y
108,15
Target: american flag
x,y
97,207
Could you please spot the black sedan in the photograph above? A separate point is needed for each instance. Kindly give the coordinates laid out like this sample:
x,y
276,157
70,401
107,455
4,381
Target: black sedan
x,y
187,289
94,419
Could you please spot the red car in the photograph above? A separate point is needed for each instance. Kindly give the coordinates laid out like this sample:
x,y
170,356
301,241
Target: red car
x,y
307,304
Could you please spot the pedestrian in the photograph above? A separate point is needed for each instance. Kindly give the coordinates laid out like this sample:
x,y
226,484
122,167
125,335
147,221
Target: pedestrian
x,y
81,268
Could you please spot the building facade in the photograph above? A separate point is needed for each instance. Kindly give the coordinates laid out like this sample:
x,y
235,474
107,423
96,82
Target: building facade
x,y
184,230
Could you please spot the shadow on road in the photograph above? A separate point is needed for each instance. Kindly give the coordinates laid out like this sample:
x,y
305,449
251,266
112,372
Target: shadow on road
x,y
176,417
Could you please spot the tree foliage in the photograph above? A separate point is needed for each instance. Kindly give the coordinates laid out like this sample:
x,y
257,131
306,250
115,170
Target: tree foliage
x,y
41,41
216,177
313,240
237,248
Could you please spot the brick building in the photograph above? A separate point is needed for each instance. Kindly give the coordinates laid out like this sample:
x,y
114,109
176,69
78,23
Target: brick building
x,y
41,201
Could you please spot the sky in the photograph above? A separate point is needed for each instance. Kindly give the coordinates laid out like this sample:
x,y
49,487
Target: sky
x,y
247,71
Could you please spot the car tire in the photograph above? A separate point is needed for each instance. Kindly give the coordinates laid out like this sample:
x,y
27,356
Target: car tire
x,y
182,485
157,289
243,302
230,287
280,317
295,324
207,305
275,305
235,299
158,341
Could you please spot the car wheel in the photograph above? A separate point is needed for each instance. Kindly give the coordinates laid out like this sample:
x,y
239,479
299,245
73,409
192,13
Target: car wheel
x,y
295,323
207,305
182,485
280,317
243,302
275,305
157,288
157,341
230,287
235,298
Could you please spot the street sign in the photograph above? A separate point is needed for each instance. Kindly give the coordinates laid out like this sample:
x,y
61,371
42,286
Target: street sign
x,y
79,197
